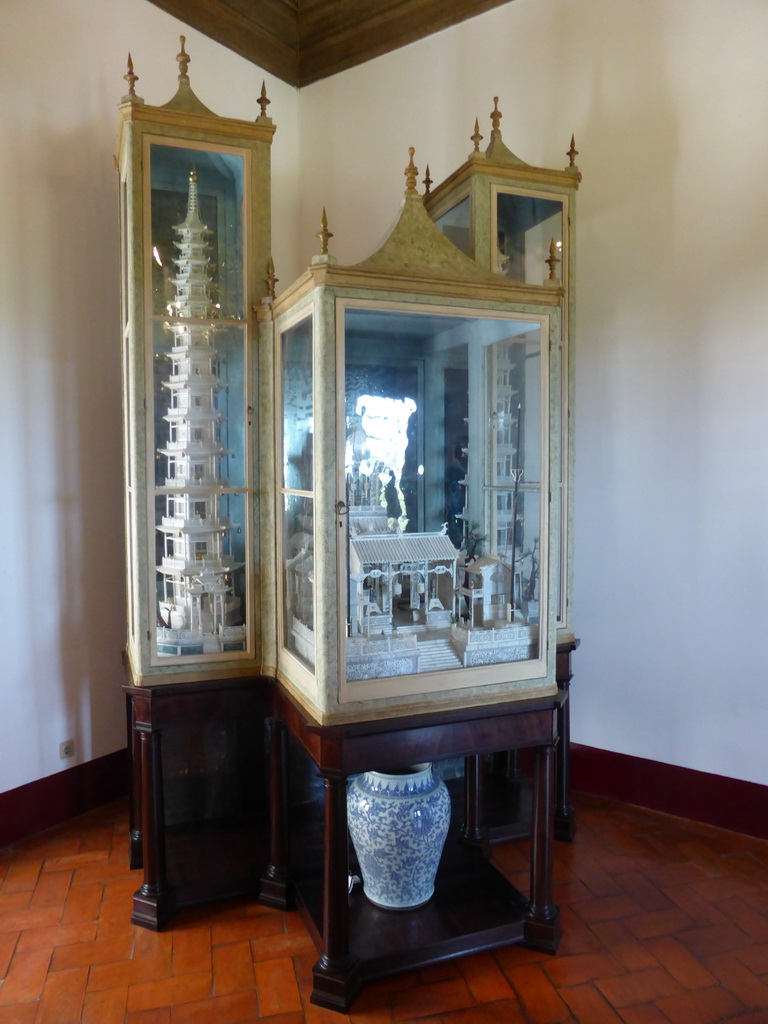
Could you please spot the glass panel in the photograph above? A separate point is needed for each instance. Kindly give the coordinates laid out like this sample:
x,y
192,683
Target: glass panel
x,y
526,226
197,232
297,406
455,225
299,592
443,468
201,579
199,385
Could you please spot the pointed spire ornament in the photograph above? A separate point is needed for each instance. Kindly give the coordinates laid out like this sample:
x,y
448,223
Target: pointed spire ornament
x,y
427,183
270,278
572,153
324,235
130,78
410,175
476,137
263,101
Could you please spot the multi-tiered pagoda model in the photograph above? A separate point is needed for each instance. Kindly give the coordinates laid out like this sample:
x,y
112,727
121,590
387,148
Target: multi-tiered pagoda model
x,y
198,612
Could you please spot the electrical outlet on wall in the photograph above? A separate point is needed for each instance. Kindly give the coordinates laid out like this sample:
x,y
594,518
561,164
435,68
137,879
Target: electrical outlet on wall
x,y
67,749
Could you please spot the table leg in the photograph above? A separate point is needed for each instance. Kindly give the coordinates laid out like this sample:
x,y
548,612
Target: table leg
x,y
335,974
277,881
154,903
542,924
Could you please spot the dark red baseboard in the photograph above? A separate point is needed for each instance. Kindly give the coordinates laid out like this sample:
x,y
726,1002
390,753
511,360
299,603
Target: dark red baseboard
x,y
699,796
46,802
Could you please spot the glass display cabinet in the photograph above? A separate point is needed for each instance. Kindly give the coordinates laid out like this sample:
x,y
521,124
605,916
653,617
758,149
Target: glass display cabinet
x,y
418,403
195,230
517,221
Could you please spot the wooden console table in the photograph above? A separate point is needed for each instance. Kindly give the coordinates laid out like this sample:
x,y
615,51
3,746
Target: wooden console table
x,y
473,908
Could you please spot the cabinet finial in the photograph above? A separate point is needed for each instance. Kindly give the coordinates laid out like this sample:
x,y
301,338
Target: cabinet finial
x,y
263,101
324,235
131,78
427,183
183,59
572,153
476,137
496,115
410,175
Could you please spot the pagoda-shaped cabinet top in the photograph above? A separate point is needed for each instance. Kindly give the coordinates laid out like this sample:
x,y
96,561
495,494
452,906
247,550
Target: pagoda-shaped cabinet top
x,y
417,409
196,246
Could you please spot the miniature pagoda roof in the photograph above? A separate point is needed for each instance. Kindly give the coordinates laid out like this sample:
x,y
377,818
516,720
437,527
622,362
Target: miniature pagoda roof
x,y
404,547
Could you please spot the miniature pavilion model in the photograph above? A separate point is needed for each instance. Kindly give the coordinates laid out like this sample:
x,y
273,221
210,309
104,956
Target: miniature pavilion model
x,y
417,399
198,612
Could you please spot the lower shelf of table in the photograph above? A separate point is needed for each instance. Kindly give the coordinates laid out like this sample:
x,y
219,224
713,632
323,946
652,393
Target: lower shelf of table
x,y
473,908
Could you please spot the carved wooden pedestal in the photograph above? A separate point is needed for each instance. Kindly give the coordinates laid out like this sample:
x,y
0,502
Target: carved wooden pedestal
x,y
474,907
199,804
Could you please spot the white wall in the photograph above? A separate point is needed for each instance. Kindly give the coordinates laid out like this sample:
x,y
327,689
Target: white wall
x,y
668,100
62,592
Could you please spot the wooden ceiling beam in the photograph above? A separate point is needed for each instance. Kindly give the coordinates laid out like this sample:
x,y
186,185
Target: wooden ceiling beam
x,y
302,41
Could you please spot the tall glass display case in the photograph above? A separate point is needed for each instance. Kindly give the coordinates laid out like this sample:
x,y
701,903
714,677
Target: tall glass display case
x,y
418,400
518,222
195,230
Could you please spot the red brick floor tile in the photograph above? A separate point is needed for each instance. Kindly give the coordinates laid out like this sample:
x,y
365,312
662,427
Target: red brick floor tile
x,y
192,950
577,937
160,1015
83,903
89,954
623,945
704,1006
743,913
754,957
8,941
22,875
709,940
51,889
574,970
76,860
22,1014
485,979
61,1001
606,908
25,977
438,972
33,917
648,1013
638,987
232,968
587,1004
257,927
506,1012
187,988
539,998
105,1006
128,972
277,987
643,891
231,1009
149,943
53,936
700,911
676,959
15,901
292,944
658,922
439,998
734,976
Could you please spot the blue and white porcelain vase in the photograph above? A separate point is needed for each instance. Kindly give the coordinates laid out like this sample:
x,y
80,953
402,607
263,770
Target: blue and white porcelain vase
x,y
398,823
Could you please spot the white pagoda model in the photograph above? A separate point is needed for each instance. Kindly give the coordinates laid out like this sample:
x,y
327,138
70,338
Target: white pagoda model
x,y
198,613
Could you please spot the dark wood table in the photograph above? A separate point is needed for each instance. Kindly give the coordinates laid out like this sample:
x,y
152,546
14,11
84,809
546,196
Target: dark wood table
x,y
474,907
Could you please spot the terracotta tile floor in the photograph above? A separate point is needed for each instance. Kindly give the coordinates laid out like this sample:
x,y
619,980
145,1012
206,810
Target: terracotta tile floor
x,y
663,921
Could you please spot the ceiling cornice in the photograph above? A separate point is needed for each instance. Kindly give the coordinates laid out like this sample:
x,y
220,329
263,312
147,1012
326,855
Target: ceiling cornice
x,y
303,41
